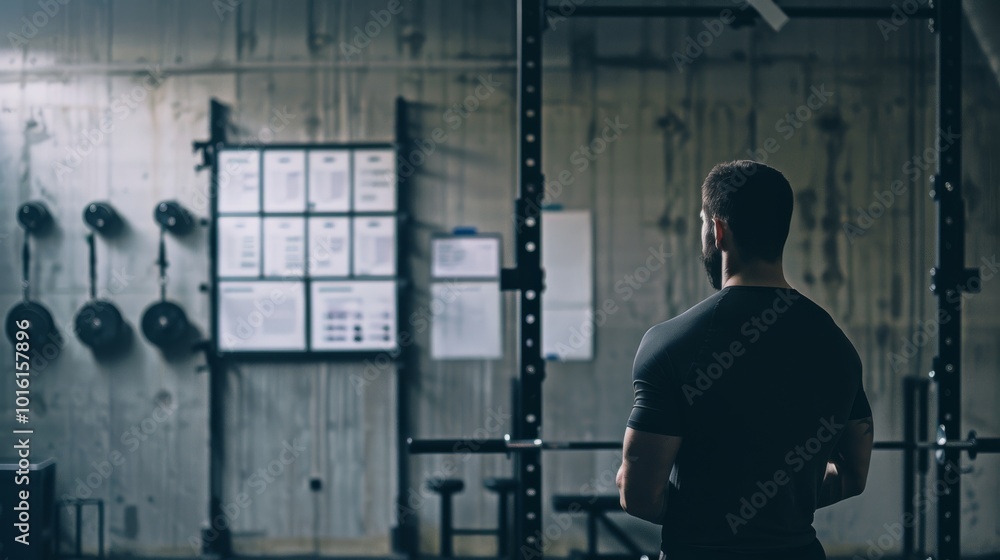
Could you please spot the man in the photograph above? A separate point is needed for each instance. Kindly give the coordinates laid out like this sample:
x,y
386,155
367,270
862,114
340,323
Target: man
x,y
749,412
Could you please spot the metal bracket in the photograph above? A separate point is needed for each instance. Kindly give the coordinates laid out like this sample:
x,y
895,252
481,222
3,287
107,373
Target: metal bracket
x,y
207,154
967,280
512,280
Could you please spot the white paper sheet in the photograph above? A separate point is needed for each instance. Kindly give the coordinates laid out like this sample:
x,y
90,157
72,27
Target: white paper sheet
x,y
329,180
567,304
465,257
329,246
469,324
353,315
284,247
567,333
259,316
284,181
375,246
239,247
374,180
567,257
239,181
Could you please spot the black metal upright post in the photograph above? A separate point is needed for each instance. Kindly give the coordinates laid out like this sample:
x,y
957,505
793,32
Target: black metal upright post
x,y
216,539
404,539
909,464
923,464
528,229
949,277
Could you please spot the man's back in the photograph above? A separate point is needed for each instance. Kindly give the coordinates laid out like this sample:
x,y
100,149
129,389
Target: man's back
x,y
759,382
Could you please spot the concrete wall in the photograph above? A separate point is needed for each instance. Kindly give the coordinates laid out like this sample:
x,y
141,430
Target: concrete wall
x,y
168,58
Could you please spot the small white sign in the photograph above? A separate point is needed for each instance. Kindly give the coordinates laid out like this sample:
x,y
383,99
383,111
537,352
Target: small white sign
x,y
353,315
284,247
465,257
238,251
329,246
284,181
375,246
238,181
256,316
469,324
375,180
329,180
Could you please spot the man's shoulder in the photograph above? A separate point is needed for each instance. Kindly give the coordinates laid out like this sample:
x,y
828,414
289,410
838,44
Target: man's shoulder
x,y
687,324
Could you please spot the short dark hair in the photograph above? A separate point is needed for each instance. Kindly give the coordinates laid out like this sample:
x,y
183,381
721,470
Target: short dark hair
x,y
755,200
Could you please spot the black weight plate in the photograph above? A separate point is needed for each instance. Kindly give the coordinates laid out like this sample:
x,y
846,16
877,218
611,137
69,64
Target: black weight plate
x,y
99,324
34,217
174,217
164,324
102,218
40,323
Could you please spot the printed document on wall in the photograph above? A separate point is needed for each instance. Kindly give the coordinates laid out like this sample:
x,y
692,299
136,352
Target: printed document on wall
x,y
374,181
469,324
329,246
284,246
329,180
261,315
567,306
238,253
284,181
375,246
238,181
353,315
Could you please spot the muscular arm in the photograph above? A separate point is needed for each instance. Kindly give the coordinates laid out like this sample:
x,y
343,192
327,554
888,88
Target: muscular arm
x,y
847,469
642,480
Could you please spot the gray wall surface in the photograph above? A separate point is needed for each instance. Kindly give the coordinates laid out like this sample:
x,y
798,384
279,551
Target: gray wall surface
x,y
151,66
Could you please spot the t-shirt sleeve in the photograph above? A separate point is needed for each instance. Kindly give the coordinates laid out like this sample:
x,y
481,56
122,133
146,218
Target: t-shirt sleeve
x,y
657,407
860,409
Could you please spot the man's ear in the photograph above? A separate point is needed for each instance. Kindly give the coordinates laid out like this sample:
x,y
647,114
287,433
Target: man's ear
x,y
721,234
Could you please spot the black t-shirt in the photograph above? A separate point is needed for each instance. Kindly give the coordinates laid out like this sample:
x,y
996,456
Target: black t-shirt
x,y
759,382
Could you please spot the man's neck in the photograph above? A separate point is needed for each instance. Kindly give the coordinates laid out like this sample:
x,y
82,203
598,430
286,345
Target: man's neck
x,y
758,273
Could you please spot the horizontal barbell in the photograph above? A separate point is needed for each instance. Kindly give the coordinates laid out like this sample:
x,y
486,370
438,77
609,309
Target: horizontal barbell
x,y
508,444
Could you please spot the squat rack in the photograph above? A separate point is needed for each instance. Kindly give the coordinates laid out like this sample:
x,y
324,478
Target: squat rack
x,y
949,277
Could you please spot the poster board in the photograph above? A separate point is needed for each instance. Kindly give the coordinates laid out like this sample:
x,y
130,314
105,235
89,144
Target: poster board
x,y
467,310
568,261
301,236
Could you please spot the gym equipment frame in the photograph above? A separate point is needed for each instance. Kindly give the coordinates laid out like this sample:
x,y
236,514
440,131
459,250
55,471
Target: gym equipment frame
x,y
948,278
